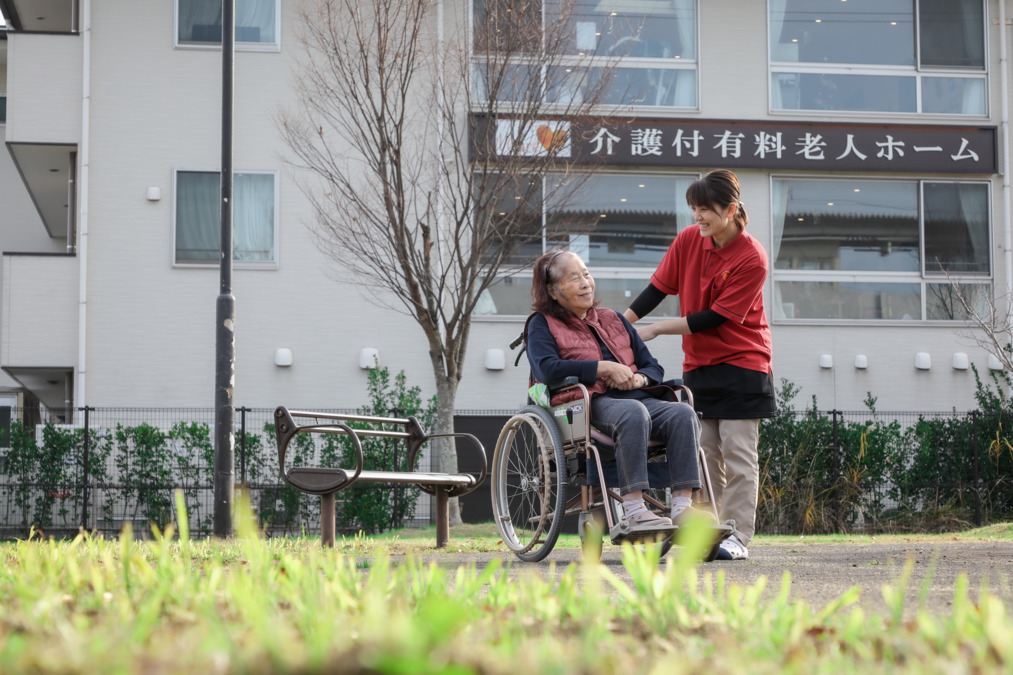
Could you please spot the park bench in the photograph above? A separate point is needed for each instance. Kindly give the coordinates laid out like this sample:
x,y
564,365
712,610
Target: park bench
x,y
327,481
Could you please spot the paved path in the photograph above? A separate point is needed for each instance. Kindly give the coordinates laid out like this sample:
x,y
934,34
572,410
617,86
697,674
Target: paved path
x,y
820,573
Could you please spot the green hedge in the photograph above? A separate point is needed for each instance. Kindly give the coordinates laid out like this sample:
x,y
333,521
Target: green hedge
x,y
820,471
826,471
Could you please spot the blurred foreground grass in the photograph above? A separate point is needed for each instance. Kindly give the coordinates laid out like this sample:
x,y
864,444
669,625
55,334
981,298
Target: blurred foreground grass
x,y
172,605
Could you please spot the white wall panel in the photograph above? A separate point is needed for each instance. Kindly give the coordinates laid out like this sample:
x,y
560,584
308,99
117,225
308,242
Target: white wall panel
x,y
44,75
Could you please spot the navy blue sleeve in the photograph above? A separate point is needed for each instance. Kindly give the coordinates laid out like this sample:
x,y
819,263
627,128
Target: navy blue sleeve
x,y
543,355
647,365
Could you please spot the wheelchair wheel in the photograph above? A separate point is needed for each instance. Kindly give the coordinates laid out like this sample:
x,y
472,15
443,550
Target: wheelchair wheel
x,y
528,474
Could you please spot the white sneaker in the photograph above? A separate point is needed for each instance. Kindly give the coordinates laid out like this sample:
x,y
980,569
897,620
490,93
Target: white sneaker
x,y
732,549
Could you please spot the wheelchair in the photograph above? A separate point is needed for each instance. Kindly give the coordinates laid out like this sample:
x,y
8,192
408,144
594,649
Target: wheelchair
x,y
543,455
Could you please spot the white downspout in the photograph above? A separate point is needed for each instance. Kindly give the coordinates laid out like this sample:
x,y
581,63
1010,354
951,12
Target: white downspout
x,y
1007,227
83,157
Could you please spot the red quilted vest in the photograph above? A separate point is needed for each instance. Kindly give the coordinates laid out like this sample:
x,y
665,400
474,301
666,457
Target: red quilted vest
x,y
575,341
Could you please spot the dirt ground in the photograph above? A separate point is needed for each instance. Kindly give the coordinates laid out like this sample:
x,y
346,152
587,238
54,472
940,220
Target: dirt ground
x,y
822,572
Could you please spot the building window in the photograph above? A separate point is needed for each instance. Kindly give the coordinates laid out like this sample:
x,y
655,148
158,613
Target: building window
x,y
197,237
860,249
199,22
888,56
646,52
620,224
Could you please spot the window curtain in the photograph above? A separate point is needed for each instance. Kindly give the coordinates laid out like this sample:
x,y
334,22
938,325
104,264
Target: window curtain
x,y
198,217
974,97
253,217
778,211
974,209
197,13
685,81
974,34
258,14
778,9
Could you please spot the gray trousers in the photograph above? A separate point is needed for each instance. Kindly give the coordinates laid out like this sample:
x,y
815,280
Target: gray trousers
x,y
632,422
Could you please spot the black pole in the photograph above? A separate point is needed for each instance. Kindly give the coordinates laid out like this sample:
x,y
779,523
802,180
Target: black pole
x,y
225,315
242,445
977,469
836,463
84,471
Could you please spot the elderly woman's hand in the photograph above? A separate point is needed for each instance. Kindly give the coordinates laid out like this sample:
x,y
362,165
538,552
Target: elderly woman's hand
x,y
617,376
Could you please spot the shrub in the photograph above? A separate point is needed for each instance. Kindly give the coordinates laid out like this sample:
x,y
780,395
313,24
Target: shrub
x,y
46,478
141,462
828,471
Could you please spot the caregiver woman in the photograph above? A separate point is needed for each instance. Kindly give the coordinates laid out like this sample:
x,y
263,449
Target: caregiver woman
x,y
718,272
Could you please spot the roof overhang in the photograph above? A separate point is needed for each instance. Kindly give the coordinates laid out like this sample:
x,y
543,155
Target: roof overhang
x,y
49,385
46,170
39,16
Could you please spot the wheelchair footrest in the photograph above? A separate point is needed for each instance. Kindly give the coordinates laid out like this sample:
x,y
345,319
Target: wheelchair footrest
x,y
622,531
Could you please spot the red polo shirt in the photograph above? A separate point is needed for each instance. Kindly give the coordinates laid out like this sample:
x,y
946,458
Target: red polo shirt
x,y
728,280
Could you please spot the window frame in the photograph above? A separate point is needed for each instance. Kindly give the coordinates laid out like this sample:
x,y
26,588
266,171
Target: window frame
x,y
588,62
920,276
272,264
599,272
917,72
239,46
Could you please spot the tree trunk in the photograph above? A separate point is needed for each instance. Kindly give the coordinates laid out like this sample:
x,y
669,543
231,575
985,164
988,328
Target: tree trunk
x,y
445,449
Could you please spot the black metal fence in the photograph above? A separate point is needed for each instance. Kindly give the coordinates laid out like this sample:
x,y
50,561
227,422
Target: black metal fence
x,y
821,471
118,465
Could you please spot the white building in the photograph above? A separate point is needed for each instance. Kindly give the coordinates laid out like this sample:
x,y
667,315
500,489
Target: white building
x,y
869,136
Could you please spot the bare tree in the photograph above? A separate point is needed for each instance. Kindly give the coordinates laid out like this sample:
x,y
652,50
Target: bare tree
x,y
427,154
989,318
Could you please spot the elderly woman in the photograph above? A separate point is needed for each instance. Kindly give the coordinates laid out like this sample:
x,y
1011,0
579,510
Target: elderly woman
x,y
568,335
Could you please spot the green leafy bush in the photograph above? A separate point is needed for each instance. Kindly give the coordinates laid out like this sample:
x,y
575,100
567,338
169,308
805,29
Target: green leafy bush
x,y
282,508
46,480
143,455
961,465
828,471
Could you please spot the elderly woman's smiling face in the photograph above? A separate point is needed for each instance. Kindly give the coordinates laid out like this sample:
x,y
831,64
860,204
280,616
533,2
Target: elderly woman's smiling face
x,y
574,286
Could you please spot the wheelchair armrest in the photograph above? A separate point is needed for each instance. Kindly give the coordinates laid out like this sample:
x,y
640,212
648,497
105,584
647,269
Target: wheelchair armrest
x,y
565,383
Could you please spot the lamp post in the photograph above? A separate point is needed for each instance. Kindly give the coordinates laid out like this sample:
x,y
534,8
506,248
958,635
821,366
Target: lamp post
x,y
225,310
